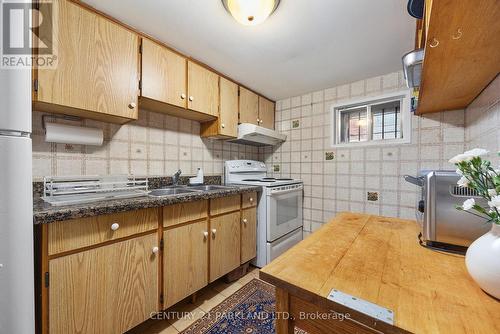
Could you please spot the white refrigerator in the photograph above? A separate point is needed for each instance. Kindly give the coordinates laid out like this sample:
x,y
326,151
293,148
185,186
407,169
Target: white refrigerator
x,y
16,204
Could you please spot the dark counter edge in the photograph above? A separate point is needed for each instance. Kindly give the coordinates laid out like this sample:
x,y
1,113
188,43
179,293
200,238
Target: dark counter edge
x,y
44,213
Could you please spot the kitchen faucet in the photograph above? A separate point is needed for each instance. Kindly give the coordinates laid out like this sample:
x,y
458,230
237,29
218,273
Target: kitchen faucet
x,y
175,177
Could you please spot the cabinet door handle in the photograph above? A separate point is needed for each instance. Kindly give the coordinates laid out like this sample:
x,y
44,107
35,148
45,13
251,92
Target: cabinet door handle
x,y
245,221
191,98
258,120
205,236
261,121
183,96
223,125
155,250
213,233
251,199
115,226
131,105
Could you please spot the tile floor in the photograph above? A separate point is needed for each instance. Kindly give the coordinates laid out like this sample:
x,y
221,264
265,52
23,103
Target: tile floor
x,y
207,298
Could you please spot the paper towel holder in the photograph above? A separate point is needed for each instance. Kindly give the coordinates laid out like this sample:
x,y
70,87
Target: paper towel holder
x,y
65,117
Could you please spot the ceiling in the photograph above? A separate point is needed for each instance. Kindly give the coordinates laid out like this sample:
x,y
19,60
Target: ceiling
x,y
304,46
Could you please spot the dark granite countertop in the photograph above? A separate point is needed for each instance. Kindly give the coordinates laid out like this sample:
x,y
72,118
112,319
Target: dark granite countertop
x,y
44,213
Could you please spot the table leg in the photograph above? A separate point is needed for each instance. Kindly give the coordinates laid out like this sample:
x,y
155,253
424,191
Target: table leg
x,y
284,325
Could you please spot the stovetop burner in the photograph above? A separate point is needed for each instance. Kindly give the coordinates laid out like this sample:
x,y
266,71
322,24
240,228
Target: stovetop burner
x,y
260,180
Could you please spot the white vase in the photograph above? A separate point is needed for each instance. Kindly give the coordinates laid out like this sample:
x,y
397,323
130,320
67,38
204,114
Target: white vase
x,y
483,261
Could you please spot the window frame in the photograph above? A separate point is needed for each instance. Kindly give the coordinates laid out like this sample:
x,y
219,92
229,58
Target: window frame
x,y
335,113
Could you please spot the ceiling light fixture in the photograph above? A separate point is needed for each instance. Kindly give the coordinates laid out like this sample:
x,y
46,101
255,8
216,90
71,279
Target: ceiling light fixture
x,y
250,12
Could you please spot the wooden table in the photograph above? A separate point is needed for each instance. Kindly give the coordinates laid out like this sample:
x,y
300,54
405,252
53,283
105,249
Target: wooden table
x,y
379,260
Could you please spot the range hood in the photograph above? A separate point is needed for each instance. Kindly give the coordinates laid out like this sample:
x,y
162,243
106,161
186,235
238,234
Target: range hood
x,y
251,134
412,67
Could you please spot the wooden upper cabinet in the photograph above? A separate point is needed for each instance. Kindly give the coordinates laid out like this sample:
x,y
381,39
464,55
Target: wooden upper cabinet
x,y
249,106
108,289
203,89
228,114
461,52
226,126
163,74
97,75
266,113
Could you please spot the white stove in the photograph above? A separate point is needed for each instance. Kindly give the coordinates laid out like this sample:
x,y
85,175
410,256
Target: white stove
x,y
279,210
253,173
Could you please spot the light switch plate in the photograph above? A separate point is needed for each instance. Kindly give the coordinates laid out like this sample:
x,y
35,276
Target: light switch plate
x,y
363,306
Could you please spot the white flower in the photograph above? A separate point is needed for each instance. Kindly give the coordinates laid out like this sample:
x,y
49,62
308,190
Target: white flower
x,y
492,192
459,172
495,202
476,152
463,182
468,155
469,204
458,158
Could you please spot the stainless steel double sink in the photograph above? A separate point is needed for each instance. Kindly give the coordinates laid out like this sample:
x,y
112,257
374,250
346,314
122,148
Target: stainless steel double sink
x,y
179,190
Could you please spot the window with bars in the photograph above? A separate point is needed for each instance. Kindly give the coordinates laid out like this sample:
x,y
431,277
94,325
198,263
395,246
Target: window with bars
x,y
373,121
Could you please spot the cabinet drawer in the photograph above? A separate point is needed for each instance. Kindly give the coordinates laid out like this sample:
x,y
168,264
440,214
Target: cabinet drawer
x,y
184,212
65,236
249,200
224,204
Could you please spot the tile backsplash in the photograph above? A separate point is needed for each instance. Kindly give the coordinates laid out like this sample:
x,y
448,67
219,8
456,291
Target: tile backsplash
x,y
154,145
360,179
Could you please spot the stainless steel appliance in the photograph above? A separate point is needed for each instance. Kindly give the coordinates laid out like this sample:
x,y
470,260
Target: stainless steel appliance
x,y
442,224
279,209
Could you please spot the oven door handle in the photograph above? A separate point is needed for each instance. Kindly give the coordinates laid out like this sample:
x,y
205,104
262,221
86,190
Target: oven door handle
x,y
281,192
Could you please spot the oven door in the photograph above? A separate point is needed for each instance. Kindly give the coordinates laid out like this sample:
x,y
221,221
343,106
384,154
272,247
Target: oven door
x,y
284,211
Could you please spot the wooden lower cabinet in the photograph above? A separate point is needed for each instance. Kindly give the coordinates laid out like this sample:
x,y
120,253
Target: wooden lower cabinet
x,y
224,244
248,234
109,289
97,281
185,261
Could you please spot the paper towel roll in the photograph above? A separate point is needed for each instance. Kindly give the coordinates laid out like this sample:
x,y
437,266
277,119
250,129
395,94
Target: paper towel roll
x,y
69,134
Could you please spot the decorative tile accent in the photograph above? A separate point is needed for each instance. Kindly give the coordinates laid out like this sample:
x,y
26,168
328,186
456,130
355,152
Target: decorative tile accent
x,y
372,196
329,156
295,124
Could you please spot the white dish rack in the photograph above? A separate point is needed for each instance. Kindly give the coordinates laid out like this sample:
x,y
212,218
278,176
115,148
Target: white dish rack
x,y
66,190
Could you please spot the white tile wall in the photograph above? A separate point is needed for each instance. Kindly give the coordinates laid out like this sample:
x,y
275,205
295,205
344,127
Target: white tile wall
x,y
342,184
154,145
483,121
